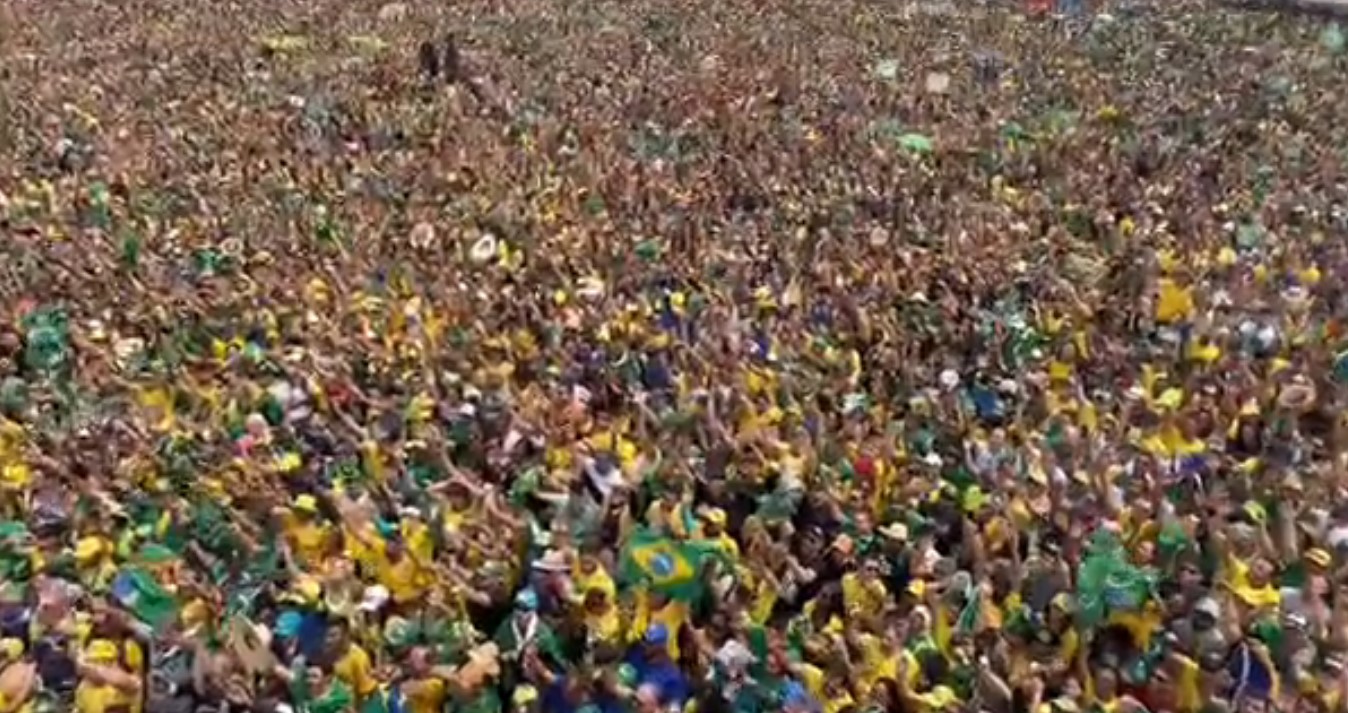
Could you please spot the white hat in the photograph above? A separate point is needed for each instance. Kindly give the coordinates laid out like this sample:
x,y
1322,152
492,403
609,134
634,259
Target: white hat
x,y
895,531
484,249
374,599
552,561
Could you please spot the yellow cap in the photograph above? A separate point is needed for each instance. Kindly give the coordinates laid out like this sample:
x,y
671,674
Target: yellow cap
x,y
89,548
11,648
1170,398
524,695
289,462
306,590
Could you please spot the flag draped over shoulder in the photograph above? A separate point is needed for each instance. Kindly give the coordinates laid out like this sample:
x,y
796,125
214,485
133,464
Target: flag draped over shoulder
x,y
1107,582
668,566
1253,673
137,591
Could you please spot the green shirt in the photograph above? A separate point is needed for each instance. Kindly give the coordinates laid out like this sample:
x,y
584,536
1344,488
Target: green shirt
x,y
487,700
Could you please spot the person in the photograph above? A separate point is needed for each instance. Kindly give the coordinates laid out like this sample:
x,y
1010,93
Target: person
x,y
656,671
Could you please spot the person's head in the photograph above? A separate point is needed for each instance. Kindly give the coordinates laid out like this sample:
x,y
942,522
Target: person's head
x,y
870,570
1106,683
885,695
1318,564
394,547
589,563
669,497
1261,572
316,678
713,522
305,507
458,496
526,604
338,636
1190,576
596,601
656,642
419,660
1059,615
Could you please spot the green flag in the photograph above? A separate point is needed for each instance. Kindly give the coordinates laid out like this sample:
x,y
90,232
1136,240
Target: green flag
x,y
1108,582
138,592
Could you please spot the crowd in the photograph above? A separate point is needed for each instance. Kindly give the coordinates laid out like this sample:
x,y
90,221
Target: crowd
x,y
705,355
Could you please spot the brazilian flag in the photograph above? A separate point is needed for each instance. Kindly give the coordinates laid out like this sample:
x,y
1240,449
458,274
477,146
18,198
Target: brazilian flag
x,y
670,567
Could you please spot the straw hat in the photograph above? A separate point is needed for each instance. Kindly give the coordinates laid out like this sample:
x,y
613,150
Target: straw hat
x,y
895,531
1297,396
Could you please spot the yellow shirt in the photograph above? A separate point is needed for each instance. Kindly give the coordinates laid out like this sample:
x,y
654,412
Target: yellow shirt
x,y
876,663
672,615
452,520
90,698
1188,692
426,696
308,540
1142,625
765,599
1173,303
1238,578
357,670
861,597
606,627
405,579
672,521
598,579
17,706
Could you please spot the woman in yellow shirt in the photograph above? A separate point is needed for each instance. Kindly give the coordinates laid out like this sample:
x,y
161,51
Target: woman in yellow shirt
x,y
602,618
424,691
307,535
864,591
354,667
106,685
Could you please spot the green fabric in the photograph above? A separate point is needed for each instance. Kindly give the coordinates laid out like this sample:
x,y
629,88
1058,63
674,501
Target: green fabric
x,y
968,616
488,700
46,339
337,699
378,702
1107,581
138,592
1293,576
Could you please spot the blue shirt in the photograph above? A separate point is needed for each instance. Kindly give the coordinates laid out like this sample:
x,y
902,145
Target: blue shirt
x,y
664,675
555,700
